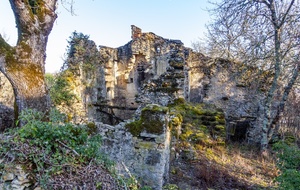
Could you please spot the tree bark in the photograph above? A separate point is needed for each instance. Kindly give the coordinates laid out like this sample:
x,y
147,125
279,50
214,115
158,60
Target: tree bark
x,y
281,106
24,64
269,122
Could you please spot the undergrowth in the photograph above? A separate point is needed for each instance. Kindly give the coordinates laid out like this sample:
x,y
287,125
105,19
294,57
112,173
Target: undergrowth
x,y
289,164
56,151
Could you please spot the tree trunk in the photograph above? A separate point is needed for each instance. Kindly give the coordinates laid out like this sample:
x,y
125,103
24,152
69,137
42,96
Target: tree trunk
x,y
24,64
280,109
269,122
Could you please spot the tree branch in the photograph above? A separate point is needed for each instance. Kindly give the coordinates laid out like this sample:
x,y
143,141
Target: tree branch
x,y
285,14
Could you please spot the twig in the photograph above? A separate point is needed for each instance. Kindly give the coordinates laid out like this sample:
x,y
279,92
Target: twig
x,y
130,175
64,145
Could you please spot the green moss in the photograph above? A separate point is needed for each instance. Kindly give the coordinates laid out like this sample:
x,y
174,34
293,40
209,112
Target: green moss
x,y
289,139
179,101
146,145
220,119
10,57
25,48
202,124
39,8
203,128
208,118
153,126
155,109
170,187
7,51
219,128
92,128
4,47
150,121
134,128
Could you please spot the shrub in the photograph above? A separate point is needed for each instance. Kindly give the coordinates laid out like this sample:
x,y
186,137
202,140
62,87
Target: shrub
x,y
60,89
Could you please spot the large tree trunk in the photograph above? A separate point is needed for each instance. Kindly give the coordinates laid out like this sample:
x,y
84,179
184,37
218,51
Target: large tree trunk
x,y
24,64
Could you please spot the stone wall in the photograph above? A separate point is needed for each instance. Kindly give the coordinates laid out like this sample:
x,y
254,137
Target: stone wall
x,y
7,99
152,69
144,156
220,82
14,177
128,68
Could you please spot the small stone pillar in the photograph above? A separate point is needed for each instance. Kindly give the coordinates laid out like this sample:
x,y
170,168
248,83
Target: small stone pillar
x,y
136,32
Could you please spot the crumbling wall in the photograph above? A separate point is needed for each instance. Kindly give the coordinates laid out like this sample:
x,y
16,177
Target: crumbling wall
x,y
139,150
148,69
225,84
7,100
151,69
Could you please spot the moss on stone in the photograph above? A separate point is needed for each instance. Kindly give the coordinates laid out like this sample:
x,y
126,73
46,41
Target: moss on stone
x,y
155,109
135,127
202,124
92,128
146,145
150,121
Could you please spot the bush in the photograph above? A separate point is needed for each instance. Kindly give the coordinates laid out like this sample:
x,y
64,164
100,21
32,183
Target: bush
x,y
60,89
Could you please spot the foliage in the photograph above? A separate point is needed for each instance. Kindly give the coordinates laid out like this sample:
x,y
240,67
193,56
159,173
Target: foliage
x,y
60,89
81,51
52,147
289,164
50,79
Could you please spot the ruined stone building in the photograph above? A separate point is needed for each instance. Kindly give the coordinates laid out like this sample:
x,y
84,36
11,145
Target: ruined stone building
x,y
112,84
153,69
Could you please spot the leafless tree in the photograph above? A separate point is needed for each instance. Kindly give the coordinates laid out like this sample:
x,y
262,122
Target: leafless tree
x,y
264,33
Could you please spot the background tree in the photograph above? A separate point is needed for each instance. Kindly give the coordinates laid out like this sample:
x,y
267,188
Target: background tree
x,y
23,64
264,33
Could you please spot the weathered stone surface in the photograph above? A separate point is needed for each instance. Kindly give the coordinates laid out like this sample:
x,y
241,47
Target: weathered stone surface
x,y
145,156
14,177
6,95
8,176
151,69
6,103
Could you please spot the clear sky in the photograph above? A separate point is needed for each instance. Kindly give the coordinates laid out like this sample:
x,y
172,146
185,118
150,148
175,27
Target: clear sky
x,y
108,22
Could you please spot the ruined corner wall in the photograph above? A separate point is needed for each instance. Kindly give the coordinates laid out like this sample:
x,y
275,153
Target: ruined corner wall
x,y
228,86
148,69
144,156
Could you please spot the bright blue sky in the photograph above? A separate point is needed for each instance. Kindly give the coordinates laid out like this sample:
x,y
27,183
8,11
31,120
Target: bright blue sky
x,y
108,22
